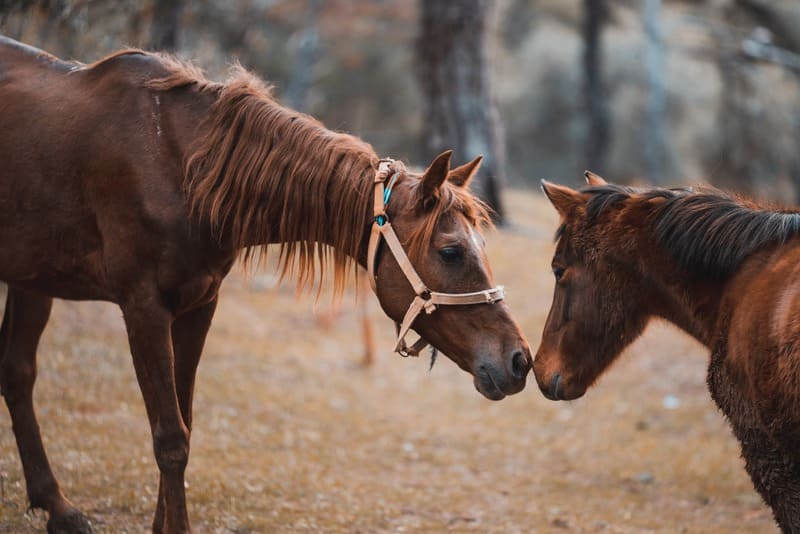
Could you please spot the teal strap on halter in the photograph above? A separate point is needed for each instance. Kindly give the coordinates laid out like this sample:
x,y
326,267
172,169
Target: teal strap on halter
x,y
387,194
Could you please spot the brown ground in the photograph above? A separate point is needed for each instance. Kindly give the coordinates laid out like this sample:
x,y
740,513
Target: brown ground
x,y
291,435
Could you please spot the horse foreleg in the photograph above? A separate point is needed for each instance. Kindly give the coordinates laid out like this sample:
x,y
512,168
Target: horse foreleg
x,y
150,337
25,317
773,466
776,477
773,456
188,337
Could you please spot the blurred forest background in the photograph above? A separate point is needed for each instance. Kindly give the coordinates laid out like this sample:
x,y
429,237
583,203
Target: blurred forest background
x,y
291,436
642,91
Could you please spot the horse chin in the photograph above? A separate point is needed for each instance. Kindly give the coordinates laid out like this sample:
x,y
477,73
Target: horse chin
x,y
486,386
558,390
566,393
571,396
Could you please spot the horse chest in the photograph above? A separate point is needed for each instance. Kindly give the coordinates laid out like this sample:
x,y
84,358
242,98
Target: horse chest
x,y
732,391
727,394
192,292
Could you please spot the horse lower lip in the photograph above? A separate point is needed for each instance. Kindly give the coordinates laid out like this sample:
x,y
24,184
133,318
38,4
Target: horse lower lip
x,y
488,388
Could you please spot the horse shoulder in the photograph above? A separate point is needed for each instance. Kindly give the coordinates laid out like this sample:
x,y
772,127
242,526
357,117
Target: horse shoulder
x,y
763,338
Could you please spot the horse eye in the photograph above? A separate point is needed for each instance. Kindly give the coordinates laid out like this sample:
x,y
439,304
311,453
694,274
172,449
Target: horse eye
x,y
558,272
451,254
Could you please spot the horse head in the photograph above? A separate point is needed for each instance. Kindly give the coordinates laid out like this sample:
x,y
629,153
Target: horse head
x,y
449,287
597,305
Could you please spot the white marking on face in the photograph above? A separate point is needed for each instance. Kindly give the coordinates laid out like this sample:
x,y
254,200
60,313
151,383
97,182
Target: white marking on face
x,y
473,236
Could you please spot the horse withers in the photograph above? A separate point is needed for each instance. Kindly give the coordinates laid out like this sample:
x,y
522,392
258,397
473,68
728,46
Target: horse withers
x,y
138,181
723,269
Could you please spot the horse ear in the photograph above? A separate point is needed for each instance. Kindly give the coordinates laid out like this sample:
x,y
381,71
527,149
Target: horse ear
x,y
436,174
563,198
594,179
462,175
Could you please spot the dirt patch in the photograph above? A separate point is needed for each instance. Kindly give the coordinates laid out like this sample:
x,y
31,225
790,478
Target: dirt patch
x,y
292,435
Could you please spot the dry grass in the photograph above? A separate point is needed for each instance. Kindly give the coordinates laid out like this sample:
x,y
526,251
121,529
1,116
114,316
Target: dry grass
x,y
291,435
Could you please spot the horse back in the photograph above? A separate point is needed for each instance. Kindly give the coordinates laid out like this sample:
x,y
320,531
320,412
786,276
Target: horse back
x,y
92,176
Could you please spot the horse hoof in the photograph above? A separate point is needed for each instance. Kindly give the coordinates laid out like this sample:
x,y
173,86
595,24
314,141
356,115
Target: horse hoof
x,y
72,522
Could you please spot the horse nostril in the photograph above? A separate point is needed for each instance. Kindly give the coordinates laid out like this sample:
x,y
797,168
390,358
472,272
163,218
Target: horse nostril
x,y
555,387
520,365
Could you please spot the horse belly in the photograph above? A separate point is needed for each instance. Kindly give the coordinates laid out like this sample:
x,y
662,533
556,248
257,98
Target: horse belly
x,y
49,239
64,265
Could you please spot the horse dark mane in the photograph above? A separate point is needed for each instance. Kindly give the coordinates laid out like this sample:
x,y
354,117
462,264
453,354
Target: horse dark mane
x,y
707,230
257,162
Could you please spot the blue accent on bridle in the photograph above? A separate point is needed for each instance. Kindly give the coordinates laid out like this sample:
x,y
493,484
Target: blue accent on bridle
x,y
387,194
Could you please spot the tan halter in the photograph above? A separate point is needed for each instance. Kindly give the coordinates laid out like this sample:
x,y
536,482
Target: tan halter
x,y
425,299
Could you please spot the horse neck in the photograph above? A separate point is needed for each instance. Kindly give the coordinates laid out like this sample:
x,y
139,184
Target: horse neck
x,y
677,295
262,174
320,209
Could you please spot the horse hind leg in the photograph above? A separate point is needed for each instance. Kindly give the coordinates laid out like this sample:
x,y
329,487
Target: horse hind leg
x,y
23,322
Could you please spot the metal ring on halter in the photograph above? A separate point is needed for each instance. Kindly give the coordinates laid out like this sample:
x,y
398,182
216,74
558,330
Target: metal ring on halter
x,y
425,299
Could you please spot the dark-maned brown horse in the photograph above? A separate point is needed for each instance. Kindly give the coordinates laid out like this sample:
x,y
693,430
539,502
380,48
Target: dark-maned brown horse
x,y
137,181
724,270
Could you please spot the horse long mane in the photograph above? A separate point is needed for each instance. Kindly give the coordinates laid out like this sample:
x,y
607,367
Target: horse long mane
x,y
262,173
260,170
707,230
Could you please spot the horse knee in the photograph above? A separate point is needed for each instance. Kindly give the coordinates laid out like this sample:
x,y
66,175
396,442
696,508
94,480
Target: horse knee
x,y
171,450
16,379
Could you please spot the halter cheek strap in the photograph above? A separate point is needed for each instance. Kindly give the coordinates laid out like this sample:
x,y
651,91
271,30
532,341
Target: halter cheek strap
x,y
425,299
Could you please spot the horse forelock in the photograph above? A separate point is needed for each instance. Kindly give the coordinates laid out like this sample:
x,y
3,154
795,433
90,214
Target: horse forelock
x,y
706,230
450,199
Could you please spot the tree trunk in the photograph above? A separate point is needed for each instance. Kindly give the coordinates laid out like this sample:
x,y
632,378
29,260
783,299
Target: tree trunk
x,y
305,45
597,132
782,19
458,106
164,28
656,97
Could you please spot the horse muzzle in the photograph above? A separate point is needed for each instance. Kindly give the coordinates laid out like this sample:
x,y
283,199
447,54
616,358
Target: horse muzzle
x,y
496,382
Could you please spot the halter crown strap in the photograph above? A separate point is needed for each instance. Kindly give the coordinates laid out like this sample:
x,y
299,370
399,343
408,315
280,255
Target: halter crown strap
x,y
425,299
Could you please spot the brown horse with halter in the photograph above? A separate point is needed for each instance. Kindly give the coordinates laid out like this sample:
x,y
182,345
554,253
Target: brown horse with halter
x,y
723,269
136,180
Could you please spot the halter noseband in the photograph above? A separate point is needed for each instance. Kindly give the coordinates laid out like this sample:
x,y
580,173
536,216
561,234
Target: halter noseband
x,y
425,299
